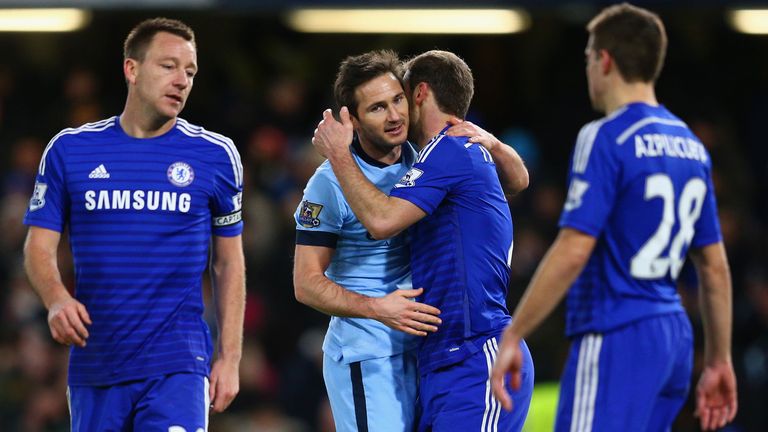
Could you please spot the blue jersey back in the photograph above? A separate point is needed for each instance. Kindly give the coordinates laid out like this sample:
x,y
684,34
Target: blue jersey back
x,y
640,182
360,263
460,251
140,213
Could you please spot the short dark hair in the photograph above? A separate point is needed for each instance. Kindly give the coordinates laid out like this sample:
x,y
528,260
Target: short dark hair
x,y
135,46
357,70
447,75
634,37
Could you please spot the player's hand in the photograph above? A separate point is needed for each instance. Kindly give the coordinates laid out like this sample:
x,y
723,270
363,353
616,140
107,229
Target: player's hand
x,y
475,133
67,319
396,310
332,138
225,383
509,360
716,401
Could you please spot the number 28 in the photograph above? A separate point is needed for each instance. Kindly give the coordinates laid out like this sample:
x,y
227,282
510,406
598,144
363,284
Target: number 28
x,y
648,262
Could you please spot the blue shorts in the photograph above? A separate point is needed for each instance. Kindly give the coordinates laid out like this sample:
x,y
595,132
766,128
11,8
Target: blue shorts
x,y
458,397
173,403
376,395
634,378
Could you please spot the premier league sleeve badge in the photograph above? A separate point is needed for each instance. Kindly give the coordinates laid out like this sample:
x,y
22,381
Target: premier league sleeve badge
x,y
308,215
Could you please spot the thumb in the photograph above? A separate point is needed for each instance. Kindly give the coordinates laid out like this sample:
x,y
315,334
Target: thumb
x,y
410,293
453,121
83,312
212,389
344,116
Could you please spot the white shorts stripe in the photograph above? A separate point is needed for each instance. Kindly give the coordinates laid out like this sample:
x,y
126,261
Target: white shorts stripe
x,y
207,401
492,406
585,390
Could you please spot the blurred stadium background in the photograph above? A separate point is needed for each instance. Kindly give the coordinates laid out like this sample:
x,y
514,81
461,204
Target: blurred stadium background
x,y
264,83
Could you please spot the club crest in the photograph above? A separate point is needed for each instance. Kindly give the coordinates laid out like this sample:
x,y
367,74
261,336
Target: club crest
x,y
308,215
180,174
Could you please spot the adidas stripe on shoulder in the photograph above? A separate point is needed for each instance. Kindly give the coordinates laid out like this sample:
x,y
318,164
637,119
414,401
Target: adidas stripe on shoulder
x,y
88,127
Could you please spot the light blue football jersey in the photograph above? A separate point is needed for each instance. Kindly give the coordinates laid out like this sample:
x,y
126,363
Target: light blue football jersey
x,y
461,250
140,214
361,264
640,182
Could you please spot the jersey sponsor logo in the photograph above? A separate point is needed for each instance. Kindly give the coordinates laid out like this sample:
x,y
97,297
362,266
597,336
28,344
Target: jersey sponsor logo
x,y
229,219
180,174
38,196
575,192
409,179
100,172
137,200
309,214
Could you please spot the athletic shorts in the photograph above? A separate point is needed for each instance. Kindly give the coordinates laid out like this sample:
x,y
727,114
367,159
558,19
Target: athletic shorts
x,y
376,395
169,403
634,378
459,398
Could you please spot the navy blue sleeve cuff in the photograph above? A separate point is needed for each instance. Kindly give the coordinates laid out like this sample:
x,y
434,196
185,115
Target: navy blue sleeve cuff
x,y
316,238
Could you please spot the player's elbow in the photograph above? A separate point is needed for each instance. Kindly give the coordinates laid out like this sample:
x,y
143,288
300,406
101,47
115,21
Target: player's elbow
x,y
383,229
518,183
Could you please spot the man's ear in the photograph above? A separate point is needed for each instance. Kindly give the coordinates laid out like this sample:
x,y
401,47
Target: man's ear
x,y
130,70
606,61
420,93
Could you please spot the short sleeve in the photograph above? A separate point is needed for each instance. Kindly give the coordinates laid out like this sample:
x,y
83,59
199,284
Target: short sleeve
x,y
227,201
438,169
320,215
592,182
49,205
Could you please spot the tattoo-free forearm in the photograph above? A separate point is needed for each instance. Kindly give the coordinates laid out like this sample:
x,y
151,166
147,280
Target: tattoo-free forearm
x,y
229,297
715,299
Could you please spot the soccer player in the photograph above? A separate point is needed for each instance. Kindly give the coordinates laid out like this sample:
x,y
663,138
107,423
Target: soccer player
x,y
640,200
460,247
369,366
143,194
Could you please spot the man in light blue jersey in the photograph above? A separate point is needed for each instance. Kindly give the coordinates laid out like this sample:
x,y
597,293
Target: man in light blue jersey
x,y
460,248
640,200
369,363
143,195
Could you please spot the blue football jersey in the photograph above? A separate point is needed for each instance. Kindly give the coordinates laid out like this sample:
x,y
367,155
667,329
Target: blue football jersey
x,y
360,263
460,252
640,183
140,214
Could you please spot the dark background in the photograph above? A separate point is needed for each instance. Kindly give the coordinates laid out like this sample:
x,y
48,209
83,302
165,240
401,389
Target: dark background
x,y
265,86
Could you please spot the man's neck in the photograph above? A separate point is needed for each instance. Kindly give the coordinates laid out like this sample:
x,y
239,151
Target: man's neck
x,y
385,155
139,124
627,93
433,121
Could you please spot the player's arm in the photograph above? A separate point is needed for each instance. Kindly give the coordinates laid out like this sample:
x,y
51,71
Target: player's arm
x,y
557,271
509,165
67,317
716,401
228,272
396,310
383,216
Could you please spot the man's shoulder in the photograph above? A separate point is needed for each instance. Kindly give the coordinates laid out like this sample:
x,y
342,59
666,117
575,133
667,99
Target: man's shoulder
x,y
84,132
442,148
199,133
